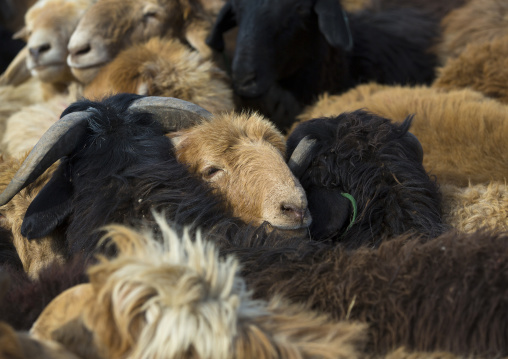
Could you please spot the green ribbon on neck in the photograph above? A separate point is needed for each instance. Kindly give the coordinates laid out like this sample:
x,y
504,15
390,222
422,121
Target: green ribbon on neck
x,y
355,209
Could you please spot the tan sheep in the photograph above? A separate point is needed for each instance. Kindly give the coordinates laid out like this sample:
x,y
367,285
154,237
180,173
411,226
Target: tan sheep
x,y
47,33
480,66
112,25
33,254
478,21
471,208
164,67
463,133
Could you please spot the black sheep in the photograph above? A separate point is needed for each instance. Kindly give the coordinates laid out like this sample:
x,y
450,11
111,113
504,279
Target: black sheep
x,y
288,52
379,164
116,166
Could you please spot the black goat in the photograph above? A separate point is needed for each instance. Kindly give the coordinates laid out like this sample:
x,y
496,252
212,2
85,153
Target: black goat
x,y
288,52
379,164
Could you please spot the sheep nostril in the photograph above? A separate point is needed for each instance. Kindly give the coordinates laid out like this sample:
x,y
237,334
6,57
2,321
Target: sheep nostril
x,y
38,50
83,50
293,211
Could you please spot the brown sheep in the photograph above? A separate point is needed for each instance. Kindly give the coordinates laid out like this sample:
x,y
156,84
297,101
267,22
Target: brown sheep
x,y
164,67
471,208
111,25
481,67
183,285
448,293
478,21
463,133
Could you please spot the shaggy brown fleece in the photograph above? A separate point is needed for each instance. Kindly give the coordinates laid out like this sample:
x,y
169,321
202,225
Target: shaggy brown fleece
x,y
34,255
478,21
164,67
449,293
481,67
463,133
471,208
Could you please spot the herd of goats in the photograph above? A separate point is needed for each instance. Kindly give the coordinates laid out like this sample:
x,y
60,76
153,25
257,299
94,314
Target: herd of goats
x,y
254,179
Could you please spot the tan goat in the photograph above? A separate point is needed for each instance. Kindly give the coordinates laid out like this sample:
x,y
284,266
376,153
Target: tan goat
x,y
463,133
164,67
112,25
180,300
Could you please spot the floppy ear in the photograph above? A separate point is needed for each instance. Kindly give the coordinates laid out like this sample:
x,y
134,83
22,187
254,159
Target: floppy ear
x,y
17,72
21,34
334,23
225,21
50,207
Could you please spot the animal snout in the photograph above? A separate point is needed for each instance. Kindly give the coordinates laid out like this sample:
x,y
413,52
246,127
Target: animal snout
x,y
246,84
80,50
36,51
294,211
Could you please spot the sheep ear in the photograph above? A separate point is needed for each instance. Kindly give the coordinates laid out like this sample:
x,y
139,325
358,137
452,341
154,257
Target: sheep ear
x,y
334,23
50,207
225,21
21,34
17,72
177,138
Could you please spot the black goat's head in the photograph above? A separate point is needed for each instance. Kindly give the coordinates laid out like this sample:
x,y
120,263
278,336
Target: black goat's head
x,y
377,163
275,38
97,143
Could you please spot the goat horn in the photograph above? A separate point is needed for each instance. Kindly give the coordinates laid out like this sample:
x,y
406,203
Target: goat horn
x,y
173,114
58,141
300,158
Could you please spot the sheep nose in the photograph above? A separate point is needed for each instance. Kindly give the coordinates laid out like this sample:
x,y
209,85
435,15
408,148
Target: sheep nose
x,y
293,211
80,50
36,51
245,82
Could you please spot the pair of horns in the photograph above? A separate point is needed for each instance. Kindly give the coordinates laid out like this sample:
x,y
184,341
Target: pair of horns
x,y
62,138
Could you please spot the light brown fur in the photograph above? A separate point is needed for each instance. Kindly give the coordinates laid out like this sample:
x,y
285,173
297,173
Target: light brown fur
x,y
463,133
242,157
164,67
481,67
33,254
478,21
469,209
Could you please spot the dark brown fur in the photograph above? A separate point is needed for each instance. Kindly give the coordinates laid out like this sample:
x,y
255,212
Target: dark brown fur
x,y
447,294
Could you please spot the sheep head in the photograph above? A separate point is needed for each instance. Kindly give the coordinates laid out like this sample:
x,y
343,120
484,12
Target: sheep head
x,y
112,25
242,157
276,38
47,33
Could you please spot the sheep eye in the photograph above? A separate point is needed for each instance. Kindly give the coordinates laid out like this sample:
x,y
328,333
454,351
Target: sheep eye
x,y
210,172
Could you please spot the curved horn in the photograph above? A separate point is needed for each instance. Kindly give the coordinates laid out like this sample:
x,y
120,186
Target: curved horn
x,y
174,114
58,141
300,158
